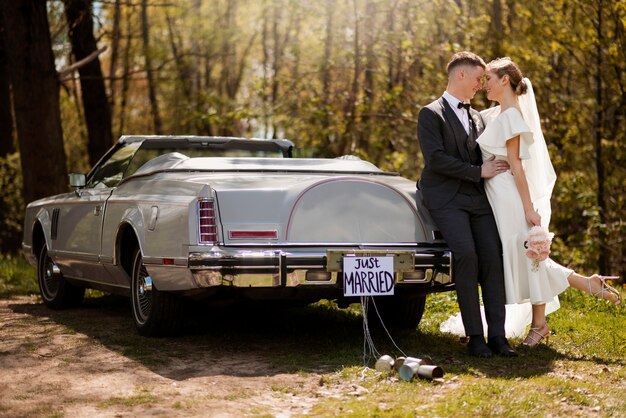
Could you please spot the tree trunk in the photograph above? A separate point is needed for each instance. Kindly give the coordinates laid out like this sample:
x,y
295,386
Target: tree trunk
x,y
350,141
6,119
368,82
511,15
265,67
125,83
95,102
326,69
228,52
195,67
280,41
233,69
145,35
115,47
497,29
35,98
603,258
183,69
10,231
297,54
391,63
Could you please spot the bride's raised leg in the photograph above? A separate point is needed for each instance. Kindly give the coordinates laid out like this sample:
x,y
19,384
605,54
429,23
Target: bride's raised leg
x,y
597,286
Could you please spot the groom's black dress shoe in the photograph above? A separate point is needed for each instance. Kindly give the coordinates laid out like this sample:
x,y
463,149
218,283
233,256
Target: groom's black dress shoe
x,y
478,348
501,347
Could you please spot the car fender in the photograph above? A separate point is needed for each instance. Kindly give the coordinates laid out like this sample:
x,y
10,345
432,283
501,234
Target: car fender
x,y
44,218
134,218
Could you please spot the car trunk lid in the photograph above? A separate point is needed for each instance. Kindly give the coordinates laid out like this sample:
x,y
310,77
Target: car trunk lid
x,y
313,209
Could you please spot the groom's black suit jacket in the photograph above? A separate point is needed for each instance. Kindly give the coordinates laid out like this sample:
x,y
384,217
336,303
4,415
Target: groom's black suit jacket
x,y
454,194
448,163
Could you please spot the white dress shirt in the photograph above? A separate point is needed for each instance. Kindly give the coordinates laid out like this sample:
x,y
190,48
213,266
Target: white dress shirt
x,y
461,113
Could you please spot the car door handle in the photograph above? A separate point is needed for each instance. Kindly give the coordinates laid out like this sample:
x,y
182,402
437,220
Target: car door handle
x,y
97,210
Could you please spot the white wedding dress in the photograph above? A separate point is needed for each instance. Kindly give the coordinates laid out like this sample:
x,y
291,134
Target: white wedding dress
x,y
524,284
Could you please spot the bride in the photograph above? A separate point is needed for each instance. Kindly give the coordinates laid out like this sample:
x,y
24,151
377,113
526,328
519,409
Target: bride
x,y
520,198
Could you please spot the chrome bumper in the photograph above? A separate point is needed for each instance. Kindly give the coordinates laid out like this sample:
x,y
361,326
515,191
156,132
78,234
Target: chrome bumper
x,y
279,268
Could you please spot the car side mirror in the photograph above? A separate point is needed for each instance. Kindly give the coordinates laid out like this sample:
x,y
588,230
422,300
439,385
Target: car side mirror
x,y
77,180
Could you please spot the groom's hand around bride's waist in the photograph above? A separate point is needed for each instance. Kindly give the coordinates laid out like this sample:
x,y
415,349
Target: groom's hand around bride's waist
x,y
493,167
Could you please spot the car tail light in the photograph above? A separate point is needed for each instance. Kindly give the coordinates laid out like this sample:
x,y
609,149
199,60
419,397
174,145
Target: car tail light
x,y
207,226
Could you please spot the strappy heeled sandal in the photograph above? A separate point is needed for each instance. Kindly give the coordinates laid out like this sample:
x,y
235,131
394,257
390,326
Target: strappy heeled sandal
x,y
535,337
605,289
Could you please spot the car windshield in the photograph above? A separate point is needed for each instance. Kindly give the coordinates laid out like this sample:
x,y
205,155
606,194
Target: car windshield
x,y
148,153
129,157
143,155
111,172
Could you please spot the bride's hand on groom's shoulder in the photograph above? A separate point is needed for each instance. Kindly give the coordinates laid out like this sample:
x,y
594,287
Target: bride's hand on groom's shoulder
x,y
493,167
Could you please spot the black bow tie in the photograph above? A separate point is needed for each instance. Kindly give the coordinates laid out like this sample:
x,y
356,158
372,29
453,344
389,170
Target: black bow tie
x,y
465,106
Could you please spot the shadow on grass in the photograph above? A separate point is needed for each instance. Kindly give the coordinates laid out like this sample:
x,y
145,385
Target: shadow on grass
x,y
265,340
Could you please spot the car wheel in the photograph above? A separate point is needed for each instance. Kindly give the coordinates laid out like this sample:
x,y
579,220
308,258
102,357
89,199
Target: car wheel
x,y
55,291
155,313
398,312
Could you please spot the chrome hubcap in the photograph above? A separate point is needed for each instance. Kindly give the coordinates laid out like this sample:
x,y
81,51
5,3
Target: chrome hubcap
x,y
51,278
145,286
143,294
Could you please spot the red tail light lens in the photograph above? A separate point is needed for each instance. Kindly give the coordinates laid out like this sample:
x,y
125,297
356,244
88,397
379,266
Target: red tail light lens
x,y
207,226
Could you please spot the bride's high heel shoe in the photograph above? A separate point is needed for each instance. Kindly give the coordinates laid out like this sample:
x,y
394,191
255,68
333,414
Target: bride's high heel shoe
x,y
536,335
606,292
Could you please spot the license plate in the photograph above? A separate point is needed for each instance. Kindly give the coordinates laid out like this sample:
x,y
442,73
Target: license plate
x,y
368,276
402,260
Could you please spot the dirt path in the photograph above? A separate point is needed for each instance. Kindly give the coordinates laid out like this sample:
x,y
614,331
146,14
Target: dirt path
x,y
90,362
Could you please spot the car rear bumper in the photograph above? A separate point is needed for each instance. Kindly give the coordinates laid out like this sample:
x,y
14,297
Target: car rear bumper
x,y
243,268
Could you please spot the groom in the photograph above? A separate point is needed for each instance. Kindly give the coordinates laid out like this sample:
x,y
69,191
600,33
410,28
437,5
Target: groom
x,y
452,188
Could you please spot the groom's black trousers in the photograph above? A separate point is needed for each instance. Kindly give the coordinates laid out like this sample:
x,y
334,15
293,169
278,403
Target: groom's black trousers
x,y
468,226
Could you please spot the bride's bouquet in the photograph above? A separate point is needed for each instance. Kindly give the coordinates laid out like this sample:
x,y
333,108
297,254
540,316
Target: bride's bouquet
x,y
538,245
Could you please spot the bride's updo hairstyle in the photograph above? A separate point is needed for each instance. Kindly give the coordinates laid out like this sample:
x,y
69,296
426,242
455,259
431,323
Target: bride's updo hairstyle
x,y
504,66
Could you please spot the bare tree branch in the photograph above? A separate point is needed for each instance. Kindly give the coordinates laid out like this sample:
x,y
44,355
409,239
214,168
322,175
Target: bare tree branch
x,y
64,74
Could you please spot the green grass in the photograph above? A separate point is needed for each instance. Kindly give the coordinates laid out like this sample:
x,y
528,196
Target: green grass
x,y
142,396
17,277
582,372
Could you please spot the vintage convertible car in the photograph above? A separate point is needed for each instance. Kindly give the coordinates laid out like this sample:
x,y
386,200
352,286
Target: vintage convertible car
x,y
165,218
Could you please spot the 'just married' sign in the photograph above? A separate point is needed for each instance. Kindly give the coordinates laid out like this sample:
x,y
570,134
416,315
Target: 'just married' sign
x,y
367,276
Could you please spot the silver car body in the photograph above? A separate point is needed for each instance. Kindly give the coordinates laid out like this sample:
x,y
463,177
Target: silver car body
x,y
270,227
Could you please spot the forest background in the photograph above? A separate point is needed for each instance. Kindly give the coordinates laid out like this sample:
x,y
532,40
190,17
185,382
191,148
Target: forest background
x,y
335,76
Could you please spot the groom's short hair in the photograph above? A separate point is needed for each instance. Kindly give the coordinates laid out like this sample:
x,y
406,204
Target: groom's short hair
x,y
464,58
